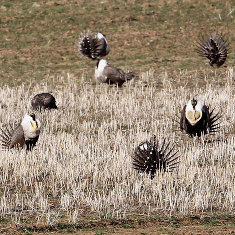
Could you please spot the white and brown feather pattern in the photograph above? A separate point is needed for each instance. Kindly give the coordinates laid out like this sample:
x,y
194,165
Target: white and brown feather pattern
x,y
93,45
149,157
106,73
23,135
12,137
214,48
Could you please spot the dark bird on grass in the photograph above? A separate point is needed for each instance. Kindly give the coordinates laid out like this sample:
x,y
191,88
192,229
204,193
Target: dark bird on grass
x,y
149,157
94,46
197,119
24,135
214,48
43,101
105,73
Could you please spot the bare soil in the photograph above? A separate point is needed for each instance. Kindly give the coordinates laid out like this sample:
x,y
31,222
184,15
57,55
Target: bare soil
x,y
135,225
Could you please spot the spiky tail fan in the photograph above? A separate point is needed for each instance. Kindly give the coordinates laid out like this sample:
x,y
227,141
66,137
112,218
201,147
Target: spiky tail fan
x,y
214,125
148,157
93,47
214,48
5,136
85,46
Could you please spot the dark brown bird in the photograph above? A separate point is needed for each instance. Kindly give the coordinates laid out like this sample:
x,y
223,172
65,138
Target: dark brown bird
x,y
94,46
105,73
43,101
24,135
196,119
149,157
214,48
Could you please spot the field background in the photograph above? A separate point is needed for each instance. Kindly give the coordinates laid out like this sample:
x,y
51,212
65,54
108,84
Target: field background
x,y
79,177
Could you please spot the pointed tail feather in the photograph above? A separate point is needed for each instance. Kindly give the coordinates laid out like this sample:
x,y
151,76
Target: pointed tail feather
x,y
149,158
129,76
213,47
5,136
93,45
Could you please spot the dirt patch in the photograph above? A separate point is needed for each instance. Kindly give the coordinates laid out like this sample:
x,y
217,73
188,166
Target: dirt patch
x,y
171,225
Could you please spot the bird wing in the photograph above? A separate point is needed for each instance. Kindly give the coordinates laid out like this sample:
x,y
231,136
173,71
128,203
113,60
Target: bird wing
x,y
12,137
114,75
17,138
183,126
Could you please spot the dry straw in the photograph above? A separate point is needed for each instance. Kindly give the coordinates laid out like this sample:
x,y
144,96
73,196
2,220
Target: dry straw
x,y
82,161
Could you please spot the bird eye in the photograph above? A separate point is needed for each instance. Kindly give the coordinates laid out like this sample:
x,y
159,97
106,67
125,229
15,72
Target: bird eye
x,y
32,115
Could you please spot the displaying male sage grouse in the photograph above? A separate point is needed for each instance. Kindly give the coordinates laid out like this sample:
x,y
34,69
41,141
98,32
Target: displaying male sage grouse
x,y
214,48
197,119
94,45
43,101
105,73
149,157
24,135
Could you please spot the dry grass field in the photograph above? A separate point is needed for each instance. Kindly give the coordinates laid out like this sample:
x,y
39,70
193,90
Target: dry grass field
x,y
79,177
81,165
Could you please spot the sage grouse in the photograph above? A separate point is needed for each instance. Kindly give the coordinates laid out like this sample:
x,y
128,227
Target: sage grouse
x,y
105,73
94,46
149,157
24,135
196,119
43,101
214,48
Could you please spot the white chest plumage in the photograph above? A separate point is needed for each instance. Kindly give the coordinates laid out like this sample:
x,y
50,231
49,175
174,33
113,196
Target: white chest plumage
x,y
31,127
194,114
99,76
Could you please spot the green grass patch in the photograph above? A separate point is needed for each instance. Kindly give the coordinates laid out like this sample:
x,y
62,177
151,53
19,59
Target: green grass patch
x,y
47,33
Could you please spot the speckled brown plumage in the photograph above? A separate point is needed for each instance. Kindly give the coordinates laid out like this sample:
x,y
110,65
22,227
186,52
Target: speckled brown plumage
x,y
43,101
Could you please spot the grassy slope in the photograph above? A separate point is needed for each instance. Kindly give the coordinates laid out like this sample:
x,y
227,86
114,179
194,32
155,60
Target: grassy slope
x,y
40,39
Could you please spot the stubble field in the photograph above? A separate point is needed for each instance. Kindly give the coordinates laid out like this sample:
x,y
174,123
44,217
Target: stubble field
x,y
81,165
